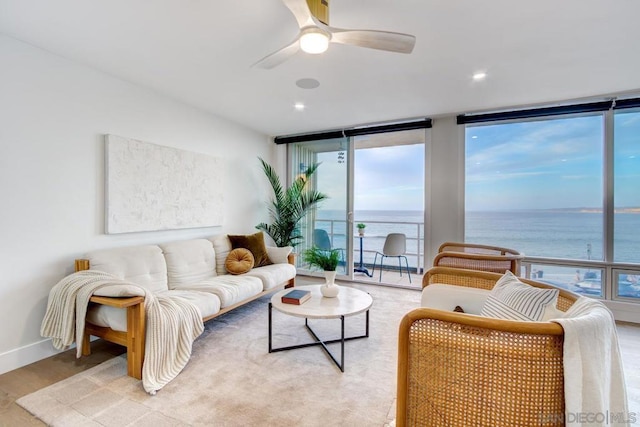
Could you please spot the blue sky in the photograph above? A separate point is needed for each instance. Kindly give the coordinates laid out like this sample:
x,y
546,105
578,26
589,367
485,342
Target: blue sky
x,y
546,164
553,163
390,178
386,178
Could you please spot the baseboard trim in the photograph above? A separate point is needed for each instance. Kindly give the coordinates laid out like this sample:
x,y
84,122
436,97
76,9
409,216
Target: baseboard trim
x,y
26,355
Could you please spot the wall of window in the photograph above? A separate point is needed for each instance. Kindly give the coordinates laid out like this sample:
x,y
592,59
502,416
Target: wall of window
x,y
626,157
544,185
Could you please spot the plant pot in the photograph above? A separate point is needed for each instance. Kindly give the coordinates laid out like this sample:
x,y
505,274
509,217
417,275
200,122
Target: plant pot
x,y
361,231
329,289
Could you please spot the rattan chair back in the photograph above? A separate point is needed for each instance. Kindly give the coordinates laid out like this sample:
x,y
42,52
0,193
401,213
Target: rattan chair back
x,y
478,257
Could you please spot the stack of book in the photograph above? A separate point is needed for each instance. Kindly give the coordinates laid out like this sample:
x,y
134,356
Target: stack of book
x,y
296,297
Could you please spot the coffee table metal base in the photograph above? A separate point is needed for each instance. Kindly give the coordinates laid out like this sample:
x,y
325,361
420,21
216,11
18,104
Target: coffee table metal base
x,y
318,341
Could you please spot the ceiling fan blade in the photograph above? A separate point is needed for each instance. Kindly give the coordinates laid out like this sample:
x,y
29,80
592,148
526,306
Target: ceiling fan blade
x,y
279,56
373,39
301,11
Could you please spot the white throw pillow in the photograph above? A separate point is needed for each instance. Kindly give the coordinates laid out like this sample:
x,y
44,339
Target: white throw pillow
x,y
278,255
513,300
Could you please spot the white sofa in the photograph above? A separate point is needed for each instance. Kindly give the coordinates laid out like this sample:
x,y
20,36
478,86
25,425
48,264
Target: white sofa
x,y
193,269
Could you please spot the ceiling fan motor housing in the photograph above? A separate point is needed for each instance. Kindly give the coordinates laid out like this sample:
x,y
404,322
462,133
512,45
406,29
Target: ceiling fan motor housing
x,y
320,9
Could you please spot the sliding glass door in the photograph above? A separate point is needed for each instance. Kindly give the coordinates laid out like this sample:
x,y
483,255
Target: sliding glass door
x,y
328,226
388,197
375,181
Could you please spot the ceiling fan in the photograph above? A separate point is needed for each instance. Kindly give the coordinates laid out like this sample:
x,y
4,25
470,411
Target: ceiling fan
x,y
316,34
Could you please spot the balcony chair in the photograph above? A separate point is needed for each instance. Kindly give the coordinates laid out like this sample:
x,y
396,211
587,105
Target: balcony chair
x,y
395,245
473,256
322,240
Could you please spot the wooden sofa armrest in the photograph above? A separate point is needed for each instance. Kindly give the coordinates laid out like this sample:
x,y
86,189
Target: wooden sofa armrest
x,y
291,259
118,302
133,338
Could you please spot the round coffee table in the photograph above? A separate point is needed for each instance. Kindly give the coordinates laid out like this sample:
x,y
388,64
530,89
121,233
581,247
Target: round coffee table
x,y
349,302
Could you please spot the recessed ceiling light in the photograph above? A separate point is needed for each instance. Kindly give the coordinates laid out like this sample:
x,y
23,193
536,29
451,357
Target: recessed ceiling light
x,y
480,75
299,106
474,137
307,83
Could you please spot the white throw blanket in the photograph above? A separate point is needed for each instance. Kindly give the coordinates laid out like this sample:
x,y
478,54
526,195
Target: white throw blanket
x,y
594,385
173,323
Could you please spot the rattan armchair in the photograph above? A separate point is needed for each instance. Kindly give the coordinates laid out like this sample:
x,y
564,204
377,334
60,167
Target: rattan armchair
x,y
457,369
473,256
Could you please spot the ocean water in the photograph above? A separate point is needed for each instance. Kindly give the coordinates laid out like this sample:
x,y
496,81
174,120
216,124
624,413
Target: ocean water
x,y
567,234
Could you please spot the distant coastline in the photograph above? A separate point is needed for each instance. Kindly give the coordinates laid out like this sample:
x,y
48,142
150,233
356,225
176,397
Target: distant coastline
x,y
595,210
626,210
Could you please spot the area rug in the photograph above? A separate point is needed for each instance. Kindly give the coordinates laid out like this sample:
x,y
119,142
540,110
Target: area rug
x,y
232,380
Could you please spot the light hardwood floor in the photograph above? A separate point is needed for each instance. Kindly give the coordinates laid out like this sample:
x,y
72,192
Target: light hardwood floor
x,y
30,378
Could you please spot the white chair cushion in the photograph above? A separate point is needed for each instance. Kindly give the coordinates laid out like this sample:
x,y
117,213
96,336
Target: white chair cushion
x,y
447,297
116,318
273,275
142,265
230,289
189,261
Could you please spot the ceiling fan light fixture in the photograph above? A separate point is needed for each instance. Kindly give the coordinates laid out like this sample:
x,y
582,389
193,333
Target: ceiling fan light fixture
x,y
314,41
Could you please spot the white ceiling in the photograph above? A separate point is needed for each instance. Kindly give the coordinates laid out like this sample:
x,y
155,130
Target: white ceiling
x,y
201,51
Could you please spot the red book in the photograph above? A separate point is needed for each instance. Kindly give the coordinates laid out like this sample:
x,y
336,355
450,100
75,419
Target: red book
x,y
296,297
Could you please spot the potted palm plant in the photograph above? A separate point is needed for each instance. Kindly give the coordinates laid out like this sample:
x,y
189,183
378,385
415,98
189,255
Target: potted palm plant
x,y
326,260
289,206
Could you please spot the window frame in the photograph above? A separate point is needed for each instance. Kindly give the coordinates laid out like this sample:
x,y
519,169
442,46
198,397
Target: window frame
x,y
610,269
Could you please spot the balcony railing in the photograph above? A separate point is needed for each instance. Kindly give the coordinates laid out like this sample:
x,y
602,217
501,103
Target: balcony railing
x,y
374,237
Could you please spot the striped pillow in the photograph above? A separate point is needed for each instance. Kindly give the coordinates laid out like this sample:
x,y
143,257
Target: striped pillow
x,y
513,300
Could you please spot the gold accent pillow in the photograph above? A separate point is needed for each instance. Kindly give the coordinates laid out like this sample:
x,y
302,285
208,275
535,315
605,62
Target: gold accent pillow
x,y
255,244
239,261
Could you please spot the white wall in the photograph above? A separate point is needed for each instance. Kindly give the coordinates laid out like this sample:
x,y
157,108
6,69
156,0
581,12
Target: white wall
x,y
53,117
444,186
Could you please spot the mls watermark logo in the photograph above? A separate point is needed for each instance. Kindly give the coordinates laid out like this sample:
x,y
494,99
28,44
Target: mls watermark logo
x,y
586,418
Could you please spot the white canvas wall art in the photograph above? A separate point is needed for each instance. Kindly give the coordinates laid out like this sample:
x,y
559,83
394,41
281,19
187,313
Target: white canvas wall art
x,y
151,187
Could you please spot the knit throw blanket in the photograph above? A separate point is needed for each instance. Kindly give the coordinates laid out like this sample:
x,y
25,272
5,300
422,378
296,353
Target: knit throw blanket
x,y
172,323
593,376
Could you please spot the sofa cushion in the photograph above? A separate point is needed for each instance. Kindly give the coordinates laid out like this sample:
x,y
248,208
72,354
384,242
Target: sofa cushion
x,y
208,304
116,318
189,261
279,255
239,261
230,289
143,265
273,275
222,247
255,243
513,300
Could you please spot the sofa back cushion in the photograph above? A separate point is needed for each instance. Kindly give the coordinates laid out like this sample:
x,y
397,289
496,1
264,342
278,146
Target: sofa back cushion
x,y
142,265
222,247
189,262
